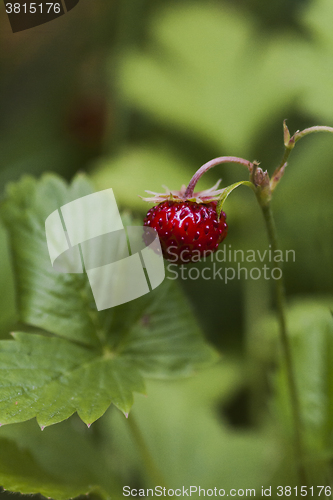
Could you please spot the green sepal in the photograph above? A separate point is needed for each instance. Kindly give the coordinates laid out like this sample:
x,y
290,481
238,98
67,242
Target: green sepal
x,y
228,190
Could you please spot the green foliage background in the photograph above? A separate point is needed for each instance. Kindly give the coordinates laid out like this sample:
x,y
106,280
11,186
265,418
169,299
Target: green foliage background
x,y
135,96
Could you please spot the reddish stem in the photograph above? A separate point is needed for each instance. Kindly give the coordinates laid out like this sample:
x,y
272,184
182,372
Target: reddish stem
x,y
212,163
307,131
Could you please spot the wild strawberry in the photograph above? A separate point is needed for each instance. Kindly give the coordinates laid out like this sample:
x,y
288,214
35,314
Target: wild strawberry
x,y
191,224
187,230
188,226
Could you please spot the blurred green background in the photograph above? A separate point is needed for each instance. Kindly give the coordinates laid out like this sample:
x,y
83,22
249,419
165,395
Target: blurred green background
x,y
139,95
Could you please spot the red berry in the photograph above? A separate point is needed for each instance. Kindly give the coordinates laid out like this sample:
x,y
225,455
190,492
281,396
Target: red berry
x,y
187,230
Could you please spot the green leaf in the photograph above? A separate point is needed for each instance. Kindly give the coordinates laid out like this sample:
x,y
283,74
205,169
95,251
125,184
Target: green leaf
x,y
58,303
205,73
51,378
62,462
20,473
308,63
84,360
310,329
7,300
164,340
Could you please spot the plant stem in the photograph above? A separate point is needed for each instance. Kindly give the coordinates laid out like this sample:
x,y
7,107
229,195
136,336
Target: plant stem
x,y
286,347
311,130
151,469
283,162
212,163
290,144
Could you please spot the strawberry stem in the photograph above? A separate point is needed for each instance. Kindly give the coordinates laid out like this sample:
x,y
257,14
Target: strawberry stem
x,y
263,192
286,347
212,163
289,143
311,130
